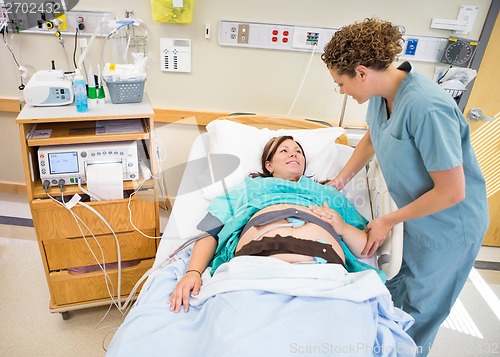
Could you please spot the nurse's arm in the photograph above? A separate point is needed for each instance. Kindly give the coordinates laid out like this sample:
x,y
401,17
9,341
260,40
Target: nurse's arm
x,y
448,190
362,154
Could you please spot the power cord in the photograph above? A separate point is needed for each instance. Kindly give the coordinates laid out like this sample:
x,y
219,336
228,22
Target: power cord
x,y
21,86
130,212
125,307
109,283
92,195
69,205
303,80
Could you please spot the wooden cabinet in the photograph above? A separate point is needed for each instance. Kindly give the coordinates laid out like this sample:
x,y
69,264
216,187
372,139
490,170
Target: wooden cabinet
x,y
77,254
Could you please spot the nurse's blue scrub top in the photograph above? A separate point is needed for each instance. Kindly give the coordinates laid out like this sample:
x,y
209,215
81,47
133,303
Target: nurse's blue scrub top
x,y
427,132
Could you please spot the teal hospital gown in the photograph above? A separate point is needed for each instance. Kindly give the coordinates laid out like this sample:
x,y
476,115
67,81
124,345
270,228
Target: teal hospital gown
x,y
426,132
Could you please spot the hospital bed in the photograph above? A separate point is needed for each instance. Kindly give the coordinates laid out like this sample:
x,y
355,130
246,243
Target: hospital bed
x,y
261,306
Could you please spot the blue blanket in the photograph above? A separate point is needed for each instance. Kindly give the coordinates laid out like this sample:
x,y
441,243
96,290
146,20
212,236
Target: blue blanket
x,y
239,204
262,306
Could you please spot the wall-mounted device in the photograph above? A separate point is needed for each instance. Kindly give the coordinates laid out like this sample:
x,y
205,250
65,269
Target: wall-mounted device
x,y
49,88
459,51
70,162
175,54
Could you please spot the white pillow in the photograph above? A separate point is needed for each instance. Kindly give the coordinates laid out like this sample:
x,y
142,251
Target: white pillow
x,y
247,143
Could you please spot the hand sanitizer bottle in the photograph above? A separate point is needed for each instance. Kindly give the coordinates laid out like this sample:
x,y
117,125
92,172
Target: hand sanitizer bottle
x,y
80,89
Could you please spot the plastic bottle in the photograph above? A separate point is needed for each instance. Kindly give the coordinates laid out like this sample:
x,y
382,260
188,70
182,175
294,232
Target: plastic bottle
x,y
80,89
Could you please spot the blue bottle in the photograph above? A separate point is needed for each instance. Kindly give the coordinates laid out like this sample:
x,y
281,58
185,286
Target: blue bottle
x,y
80,89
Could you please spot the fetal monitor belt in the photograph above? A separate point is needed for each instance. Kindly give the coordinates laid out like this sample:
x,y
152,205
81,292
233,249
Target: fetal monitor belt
x,y
273,216
290,245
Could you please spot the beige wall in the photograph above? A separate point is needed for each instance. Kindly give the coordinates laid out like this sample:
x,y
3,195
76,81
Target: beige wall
x,y
10,152
228,79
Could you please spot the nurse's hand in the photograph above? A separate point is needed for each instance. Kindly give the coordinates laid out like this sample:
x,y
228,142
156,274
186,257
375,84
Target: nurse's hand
x,y
377,233
338,183
180,296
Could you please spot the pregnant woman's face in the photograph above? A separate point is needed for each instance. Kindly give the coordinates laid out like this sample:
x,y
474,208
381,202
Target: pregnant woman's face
x,y
288,162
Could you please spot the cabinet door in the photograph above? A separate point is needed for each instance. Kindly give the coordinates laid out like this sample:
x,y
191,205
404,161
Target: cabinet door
x,y
80,252
69,288
52,221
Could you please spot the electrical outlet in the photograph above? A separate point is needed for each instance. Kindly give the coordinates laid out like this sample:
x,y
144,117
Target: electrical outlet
x,y
243,33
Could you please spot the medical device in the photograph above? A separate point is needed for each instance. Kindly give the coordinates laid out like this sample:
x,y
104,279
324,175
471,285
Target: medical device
x,y
71,162
49,88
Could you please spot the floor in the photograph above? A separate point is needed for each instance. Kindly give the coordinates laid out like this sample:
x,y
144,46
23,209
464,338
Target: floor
x,y
29,328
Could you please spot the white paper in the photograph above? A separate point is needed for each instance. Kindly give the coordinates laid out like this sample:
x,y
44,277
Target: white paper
x,y
105,180
118,126
42,134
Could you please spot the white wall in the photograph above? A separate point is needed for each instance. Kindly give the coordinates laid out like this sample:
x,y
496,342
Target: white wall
x,y
231,79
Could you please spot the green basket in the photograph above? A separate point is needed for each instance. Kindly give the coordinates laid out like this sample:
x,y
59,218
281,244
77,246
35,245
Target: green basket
x,y
126,92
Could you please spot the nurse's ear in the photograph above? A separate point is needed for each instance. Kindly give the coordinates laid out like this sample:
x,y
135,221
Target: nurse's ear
x,y
361,71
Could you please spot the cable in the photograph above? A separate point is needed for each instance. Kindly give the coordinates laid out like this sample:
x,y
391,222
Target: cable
x,y
13,55
151,270
61,41
61,186
78,220
123,308
130,212
303,79
118,252
272,228
21,86
76,45
92,195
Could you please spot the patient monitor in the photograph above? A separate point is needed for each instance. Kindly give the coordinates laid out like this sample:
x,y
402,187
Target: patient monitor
x,y
70,163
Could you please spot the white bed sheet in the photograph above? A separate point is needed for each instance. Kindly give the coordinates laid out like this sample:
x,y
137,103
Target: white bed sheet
x,y
278,309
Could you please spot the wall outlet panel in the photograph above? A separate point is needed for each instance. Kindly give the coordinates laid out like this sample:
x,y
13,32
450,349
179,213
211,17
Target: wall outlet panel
x,y
273,36
175,54
304,38
424,48
92,20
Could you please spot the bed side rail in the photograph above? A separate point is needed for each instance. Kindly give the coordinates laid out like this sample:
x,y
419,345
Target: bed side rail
x,y
390,253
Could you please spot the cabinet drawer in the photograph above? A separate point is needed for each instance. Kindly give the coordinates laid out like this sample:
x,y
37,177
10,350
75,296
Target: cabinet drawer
x,y
55,222
71,253
68,288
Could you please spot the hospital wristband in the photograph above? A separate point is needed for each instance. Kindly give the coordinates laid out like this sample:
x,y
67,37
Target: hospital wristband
x,y
193,270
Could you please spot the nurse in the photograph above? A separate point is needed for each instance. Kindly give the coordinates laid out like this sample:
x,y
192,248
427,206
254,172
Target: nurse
x,y
422,142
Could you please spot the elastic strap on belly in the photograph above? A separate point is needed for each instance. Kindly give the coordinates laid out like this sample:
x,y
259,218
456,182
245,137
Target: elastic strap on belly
x,y
273,216
290,245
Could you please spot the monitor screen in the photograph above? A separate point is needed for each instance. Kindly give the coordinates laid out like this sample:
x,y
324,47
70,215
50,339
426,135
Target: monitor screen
x,y
63,162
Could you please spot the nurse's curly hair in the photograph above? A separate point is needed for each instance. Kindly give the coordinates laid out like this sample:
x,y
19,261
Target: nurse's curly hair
x,y
373,43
